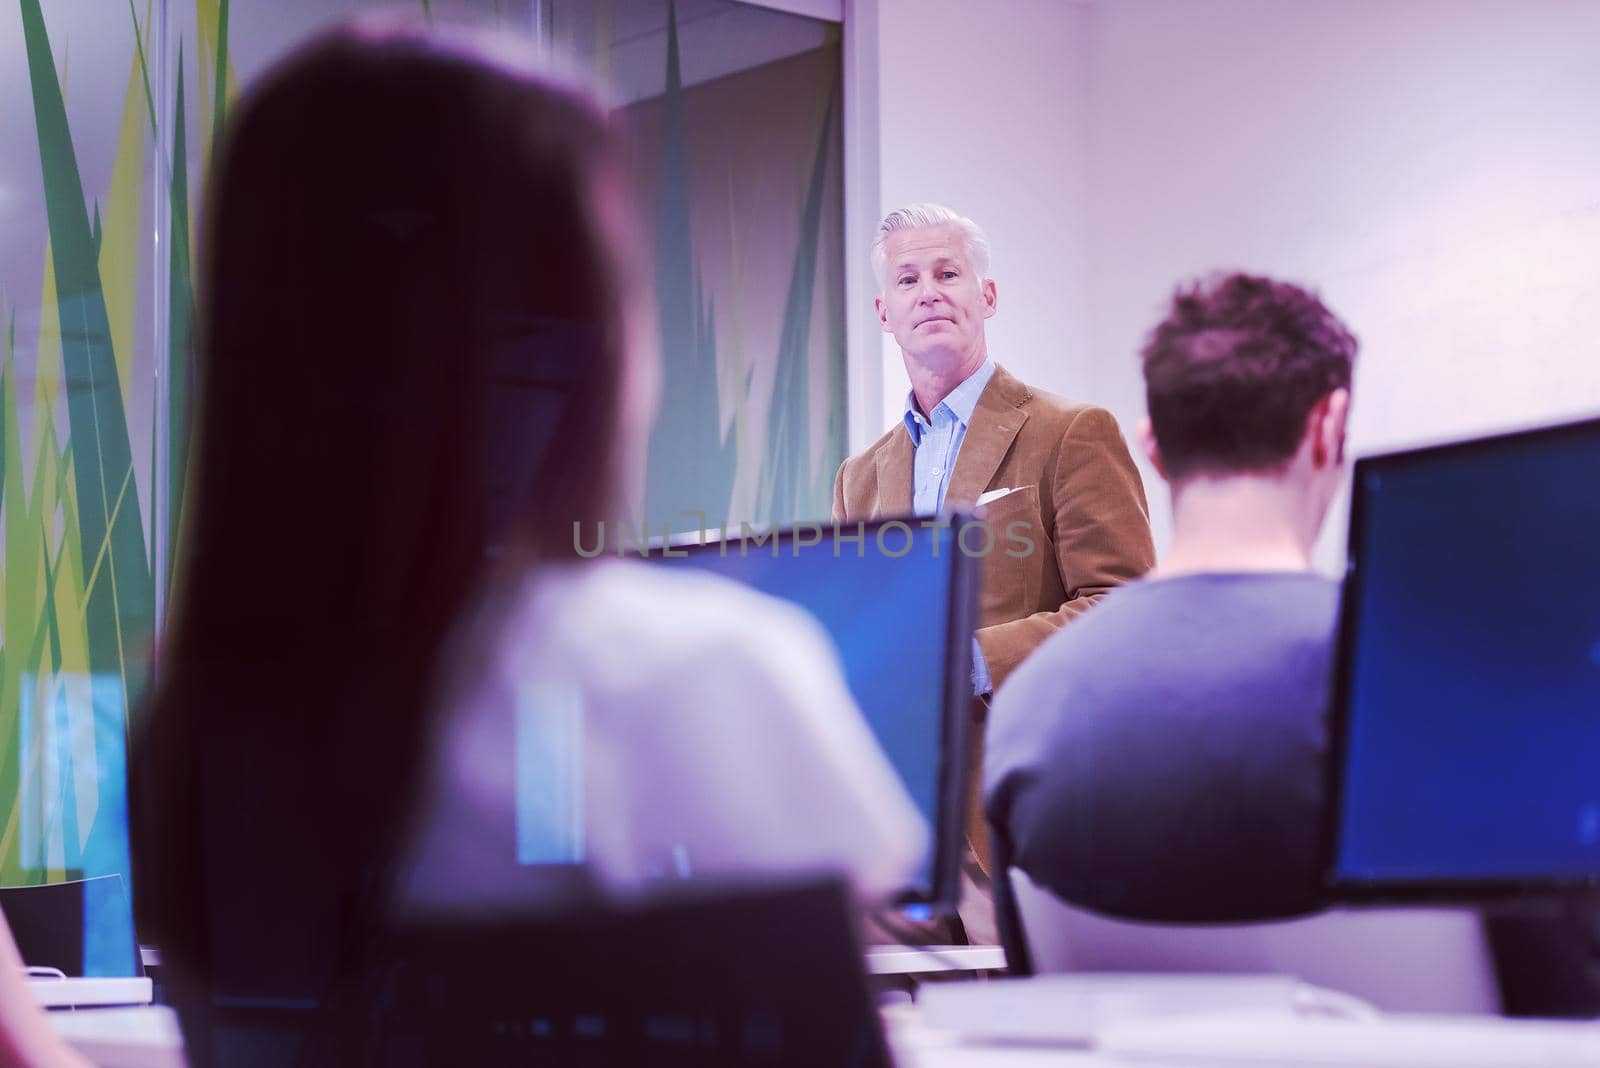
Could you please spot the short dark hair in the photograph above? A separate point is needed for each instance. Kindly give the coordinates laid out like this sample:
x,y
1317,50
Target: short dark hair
x,y
1235,368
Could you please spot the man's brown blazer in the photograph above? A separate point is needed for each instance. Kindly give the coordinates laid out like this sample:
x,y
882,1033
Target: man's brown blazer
x,y
1076,496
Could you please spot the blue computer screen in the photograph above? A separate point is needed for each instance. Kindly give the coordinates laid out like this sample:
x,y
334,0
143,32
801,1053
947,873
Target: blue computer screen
x,y
886,603
1472,715
69,903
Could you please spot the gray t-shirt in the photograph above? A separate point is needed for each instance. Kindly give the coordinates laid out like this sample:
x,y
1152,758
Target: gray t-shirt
x,y
1161,758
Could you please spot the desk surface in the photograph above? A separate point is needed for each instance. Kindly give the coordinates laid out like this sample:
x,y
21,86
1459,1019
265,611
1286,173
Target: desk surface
x,y
915,1045
148,1037
143,1036
1268,1040
925,960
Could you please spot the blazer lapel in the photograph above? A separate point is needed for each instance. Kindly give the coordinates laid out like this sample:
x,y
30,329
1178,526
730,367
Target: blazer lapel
x,y
995,423
894,475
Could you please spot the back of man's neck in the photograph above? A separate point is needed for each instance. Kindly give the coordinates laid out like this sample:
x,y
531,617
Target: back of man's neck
x,y
1240,524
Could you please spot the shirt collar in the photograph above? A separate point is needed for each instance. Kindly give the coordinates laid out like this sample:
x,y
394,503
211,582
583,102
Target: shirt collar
x,y
962,401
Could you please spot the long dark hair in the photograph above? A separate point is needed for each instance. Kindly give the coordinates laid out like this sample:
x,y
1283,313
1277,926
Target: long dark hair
x,y
411,352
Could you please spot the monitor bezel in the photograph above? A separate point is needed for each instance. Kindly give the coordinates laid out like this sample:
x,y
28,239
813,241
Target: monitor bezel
x,y
1339,887
961,619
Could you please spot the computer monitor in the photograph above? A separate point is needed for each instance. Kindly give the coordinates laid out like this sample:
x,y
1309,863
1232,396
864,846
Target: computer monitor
x,y
66,892
900,603
1465,756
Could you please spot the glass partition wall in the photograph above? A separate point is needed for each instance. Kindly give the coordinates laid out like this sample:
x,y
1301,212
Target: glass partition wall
x,y
732,116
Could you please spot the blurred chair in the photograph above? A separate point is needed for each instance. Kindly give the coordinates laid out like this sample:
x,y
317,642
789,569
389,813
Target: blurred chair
x,y
708,976
1399,959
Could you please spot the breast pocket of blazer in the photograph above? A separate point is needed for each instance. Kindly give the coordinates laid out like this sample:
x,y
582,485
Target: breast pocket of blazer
x,y
1011,568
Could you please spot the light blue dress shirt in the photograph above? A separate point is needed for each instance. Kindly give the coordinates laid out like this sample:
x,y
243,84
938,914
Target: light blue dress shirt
x,y
936,441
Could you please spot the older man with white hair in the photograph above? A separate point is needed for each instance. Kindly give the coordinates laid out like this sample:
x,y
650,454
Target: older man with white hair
x,y
1053,477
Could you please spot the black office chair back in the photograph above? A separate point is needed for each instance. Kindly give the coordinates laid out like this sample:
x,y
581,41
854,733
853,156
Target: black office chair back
x,y
707,977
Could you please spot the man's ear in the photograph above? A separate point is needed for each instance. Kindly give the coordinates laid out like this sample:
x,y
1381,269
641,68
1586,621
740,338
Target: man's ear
x,y
1326,425
991,298
883,315
1152,448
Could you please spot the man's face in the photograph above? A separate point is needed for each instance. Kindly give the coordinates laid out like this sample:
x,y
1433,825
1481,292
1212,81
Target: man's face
x,y
933,301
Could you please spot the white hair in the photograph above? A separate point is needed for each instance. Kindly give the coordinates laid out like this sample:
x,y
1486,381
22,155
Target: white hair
x,y
922,216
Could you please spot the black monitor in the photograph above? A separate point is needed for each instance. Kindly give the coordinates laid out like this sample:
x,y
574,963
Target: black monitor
x,y
1466,717
899,599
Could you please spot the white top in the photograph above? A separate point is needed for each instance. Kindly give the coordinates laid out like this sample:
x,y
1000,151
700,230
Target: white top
x,y
655,723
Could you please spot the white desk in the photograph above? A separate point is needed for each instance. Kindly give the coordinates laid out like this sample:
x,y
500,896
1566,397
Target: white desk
x,y
915,1045
144,1036
927,960
1001,1023
1220,1042
148,1037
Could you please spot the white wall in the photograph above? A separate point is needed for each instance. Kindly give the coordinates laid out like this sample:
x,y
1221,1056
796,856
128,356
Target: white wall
x,y
1433,168
981,107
